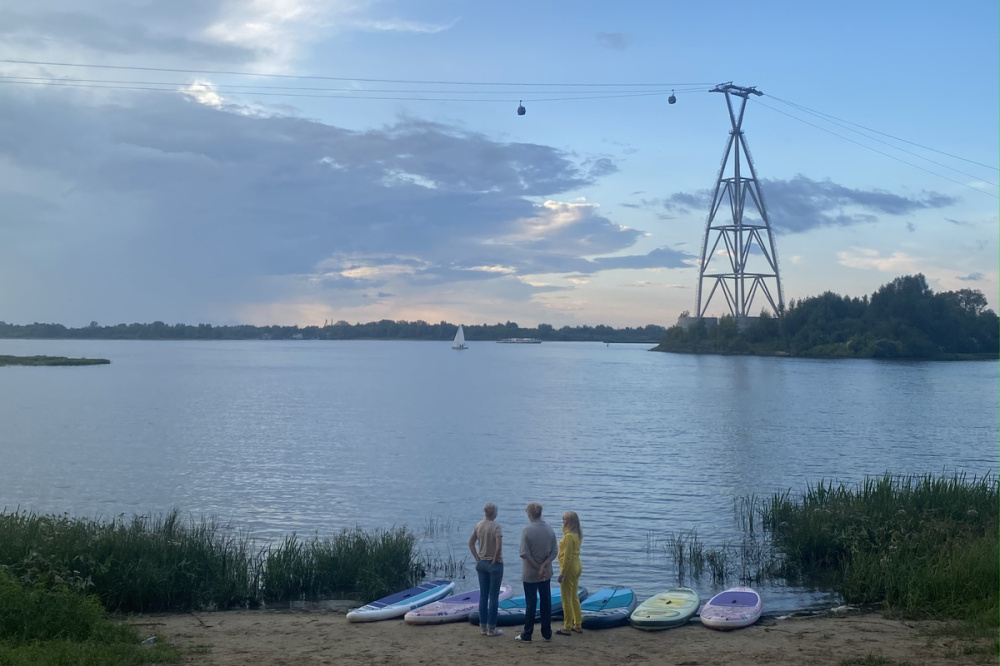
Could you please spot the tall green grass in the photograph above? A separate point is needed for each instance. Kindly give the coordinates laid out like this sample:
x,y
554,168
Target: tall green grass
x,y
159,563
922,546
368,565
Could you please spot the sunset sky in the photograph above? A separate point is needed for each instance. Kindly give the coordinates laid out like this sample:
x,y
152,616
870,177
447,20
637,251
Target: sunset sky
x,y
298,161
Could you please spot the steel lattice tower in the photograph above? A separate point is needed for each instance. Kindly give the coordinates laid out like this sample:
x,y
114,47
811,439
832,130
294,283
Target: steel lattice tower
x,y
744,240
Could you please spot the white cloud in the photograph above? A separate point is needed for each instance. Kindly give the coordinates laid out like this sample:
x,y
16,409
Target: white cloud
x,y
897,263
397,25
204,92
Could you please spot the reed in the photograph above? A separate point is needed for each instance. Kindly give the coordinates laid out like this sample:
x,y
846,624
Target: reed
x,y
751,560
157,563
920,545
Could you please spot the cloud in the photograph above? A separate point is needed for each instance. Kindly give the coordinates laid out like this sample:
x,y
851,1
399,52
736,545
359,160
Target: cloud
x,y
659,258
971,277
396,25
166,200
802,204
617,41
898,262
266,36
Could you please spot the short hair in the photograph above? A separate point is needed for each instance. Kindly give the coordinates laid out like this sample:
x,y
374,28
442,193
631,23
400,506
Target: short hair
x,y
490,510
534,510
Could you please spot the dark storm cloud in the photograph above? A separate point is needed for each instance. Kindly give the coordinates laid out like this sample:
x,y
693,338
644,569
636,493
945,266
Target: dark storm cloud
x,y
802,204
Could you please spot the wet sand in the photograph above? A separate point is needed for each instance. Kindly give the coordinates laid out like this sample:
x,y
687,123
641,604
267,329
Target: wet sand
x,y
325,637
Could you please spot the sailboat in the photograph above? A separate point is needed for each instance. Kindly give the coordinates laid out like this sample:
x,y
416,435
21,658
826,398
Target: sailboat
x,y
459,342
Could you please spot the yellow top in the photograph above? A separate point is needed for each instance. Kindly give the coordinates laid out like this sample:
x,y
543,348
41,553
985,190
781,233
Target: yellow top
x,y
569,553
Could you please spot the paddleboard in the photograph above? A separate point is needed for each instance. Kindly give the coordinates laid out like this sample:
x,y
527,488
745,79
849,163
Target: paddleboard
x,y
609,607
666,609
511,611
452,609
398,604
735,608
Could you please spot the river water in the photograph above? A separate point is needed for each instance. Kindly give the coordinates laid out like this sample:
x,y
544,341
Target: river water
x,y
313,436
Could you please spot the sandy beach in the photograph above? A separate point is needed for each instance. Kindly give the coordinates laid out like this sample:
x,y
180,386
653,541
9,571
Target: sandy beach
x,y
325,637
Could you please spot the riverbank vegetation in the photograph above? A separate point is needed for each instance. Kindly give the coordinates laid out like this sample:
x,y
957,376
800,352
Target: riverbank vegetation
x,y
918,547
164,563
60,576
341,330
50,360
903,319
921,546
53,624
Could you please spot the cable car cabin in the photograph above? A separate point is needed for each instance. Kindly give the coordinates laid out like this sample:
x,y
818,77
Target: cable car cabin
x,y
672,99
520,109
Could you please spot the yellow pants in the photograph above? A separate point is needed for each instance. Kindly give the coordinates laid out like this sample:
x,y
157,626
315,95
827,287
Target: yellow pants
x,y
570,602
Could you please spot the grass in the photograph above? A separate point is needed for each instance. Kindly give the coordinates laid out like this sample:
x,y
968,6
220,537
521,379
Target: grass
x,y
53,624
921,546
164,563
50,360
872,659
367,565
751,560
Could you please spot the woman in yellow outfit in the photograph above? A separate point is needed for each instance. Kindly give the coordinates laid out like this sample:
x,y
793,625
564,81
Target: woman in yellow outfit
x,y
569,573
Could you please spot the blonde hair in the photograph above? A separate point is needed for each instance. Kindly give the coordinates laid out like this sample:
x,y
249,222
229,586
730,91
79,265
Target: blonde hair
x,y
573,523
490,510
534,510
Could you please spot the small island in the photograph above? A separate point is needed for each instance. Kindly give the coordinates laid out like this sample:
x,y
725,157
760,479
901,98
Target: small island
x,y
50,360
903,319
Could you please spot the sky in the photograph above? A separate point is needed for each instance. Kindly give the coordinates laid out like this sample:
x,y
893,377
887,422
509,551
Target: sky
x,y
309,161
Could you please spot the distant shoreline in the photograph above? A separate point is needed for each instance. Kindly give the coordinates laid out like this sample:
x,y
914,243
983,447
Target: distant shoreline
x,y
50,360
830,357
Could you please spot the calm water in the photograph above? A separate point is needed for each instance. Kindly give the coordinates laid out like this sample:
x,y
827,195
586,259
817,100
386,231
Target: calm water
x,y
311,437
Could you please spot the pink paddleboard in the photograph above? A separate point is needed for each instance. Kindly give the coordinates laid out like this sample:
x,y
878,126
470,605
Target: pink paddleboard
x,y
452,609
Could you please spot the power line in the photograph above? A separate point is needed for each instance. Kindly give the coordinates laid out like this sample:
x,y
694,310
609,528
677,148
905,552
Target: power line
x,y
912,143
238,88
505,100
345,78
858,143
829,119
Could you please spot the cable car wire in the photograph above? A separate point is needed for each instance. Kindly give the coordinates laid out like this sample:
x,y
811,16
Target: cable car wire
x,y
505,100
858,143
344,78
868,129
904,150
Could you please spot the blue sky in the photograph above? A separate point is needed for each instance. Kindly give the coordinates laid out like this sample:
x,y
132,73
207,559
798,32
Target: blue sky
x,y
206,203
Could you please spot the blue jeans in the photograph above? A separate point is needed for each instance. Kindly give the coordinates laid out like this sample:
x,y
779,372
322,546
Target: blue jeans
x,y
542,593
490,577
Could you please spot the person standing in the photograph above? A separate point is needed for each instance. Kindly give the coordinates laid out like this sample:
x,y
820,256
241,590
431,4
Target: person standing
x,y
489,567
538,549
569,573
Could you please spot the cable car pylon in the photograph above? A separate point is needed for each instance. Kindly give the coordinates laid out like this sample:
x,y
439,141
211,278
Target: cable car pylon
x,y
746,262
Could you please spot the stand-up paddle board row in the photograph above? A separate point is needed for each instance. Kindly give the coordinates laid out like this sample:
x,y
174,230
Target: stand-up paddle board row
x,y
611,607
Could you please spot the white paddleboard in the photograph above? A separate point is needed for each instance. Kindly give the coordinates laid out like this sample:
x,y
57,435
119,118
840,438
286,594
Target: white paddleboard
x,y
398,604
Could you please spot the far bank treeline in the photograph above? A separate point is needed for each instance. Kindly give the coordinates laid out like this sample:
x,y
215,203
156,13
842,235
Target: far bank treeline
x,y
341,330
903,319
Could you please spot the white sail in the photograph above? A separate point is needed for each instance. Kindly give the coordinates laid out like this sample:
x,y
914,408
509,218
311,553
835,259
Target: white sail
x,y
459,342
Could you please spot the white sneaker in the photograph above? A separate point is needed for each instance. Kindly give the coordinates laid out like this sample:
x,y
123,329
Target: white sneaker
x,y
495,632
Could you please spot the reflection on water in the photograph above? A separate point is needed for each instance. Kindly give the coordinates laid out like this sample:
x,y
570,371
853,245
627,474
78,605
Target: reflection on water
x,y
311,437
